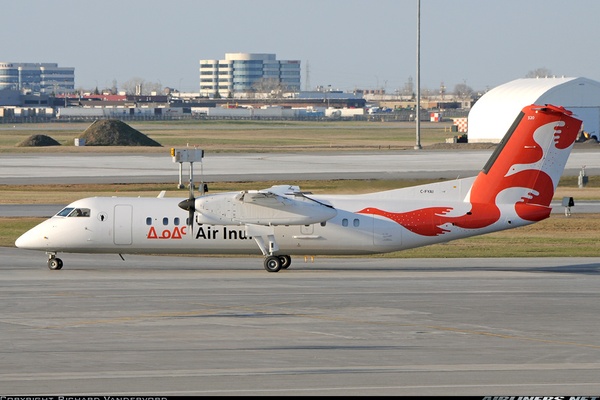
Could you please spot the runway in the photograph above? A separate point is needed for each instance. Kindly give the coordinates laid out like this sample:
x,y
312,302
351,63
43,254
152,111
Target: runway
x,y
148,168
155,325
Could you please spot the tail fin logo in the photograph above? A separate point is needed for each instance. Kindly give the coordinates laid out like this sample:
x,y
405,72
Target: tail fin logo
x,y
523,171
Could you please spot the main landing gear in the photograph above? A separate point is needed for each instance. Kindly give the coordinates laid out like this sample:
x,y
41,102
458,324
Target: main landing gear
x,y
53,262
264,236
275,263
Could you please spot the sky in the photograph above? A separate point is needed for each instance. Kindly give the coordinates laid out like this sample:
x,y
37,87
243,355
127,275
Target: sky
x,y
348,44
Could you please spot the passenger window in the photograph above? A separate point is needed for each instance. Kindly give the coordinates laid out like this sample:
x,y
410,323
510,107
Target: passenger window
x,y
148,221
345,222
165,221
176,221
356,222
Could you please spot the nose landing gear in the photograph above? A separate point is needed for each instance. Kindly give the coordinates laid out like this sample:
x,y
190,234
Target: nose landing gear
x,y
53,262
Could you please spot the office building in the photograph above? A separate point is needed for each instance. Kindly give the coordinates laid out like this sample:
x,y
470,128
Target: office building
x,y
44,78
248,73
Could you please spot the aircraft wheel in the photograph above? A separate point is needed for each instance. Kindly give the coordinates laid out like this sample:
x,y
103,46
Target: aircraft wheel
x,y
285,261
272,264
55,263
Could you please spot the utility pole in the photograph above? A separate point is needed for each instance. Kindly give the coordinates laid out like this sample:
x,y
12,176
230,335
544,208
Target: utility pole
x,y
418,105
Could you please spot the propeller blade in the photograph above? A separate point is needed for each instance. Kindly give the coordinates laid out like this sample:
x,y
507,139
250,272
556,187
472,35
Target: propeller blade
x,y
189,206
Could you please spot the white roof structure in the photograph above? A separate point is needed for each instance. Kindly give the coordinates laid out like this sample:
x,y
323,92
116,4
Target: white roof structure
x,y
493,114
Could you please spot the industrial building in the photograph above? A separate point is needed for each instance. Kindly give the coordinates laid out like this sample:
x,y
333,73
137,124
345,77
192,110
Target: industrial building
x,y
43,78
246,73
493,114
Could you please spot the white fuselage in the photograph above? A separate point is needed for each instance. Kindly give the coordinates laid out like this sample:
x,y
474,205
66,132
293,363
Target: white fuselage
x,y
128,225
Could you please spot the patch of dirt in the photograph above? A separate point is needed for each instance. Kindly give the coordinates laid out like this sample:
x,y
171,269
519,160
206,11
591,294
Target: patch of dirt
x,y
461,146
112,132
38,140
588,144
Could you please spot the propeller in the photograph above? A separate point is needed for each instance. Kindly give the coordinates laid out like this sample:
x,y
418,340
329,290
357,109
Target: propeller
x,y
189,205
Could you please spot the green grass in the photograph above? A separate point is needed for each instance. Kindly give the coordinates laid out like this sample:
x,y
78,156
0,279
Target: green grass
x,y
12,228
557,236
235,136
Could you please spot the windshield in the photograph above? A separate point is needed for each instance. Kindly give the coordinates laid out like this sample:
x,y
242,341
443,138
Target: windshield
x,y
74,212
65,211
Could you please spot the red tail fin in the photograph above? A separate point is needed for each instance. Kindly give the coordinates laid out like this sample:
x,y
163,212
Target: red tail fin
x,y
529,161
523,173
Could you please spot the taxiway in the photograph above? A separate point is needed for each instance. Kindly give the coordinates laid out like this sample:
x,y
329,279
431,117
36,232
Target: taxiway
x,y
155,325
146,168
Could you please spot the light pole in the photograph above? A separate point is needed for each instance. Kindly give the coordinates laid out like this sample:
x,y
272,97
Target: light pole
x,y
418,105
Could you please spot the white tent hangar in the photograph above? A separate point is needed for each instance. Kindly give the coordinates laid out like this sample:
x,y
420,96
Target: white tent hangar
x,y
493,114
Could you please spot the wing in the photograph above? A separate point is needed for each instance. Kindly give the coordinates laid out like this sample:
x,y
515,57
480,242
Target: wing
x,y
279,205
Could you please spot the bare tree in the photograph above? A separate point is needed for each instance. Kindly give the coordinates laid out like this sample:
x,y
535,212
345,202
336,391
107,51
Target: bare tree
x,y
139,86
270,86
114,89
463,91
426,93
409,88
542,72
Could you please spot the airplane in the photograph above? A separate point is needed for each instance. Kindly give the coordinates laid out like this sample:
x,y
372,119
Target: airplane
x,y
514,189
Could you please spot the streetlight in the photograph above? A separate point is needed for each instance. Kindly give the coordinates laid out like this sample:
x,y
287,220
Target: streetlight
x,y
418,106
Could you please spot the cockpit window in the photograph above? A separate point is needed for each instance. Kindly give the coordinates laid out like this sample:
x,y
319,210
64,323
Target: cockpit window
x,y
80,212
65,212
74,212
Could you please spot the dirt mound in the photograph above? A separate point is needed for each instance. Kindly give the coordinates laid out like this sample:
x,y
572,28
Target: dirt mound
x,y
38,140
112,132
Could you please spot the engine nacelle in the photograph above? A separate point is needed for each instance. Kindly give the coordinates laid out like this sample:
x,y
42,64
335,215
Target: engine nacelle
x,y
260,208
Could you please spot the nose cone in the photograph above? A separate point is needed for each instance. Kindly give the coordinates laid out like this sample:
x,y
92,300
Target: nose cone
x,y
33,239
187,204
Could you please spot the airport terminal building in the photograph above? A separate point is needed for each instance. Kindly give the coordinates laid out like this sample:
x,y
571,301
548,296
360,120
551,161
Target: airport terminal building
x,y
246,73
43,78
